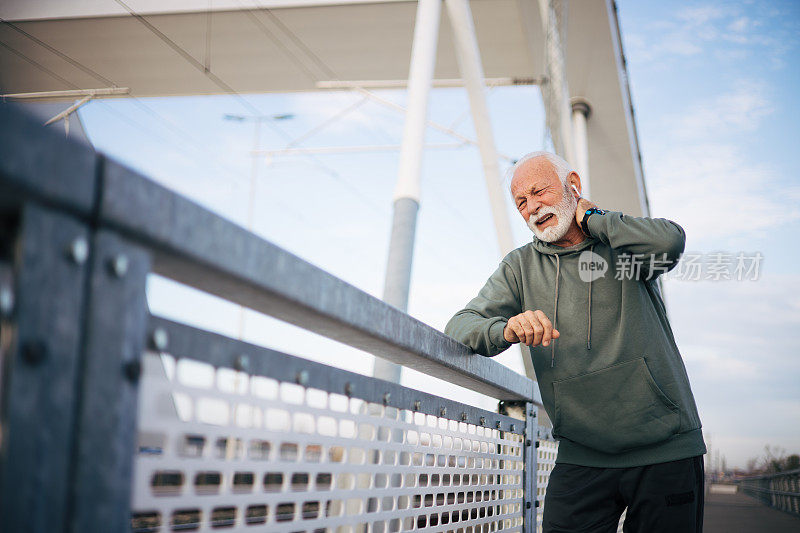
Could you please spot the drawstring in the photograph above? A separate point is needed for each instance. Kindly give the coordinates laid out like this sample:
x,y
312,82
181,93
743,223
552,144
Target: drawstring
x,y
589,310
555,312
555,315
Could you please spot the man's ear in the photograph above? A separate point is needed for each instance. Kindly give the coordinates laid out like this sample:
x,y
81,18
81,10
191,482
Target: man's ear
x,y
575,183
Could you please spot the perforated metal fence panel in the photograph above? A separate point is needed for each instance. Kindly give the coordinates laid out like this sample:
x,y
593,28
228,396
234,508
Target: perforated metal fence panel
x,y
224,449
546,452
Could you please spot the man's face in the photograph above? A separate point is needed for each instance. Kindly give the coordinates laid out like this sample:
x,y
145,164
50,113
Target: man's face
x,y
546,204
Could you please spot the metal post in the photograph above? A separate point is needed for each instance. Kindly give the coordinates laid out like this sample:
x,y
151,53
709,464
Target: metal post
x,y
401,252
529,500
41,361
580,114
407,191
469,63
105,432
66,113
251,201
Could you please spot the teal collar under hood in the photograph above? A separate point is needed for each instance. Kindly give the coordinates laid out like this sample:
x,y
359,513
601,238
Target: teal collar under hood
x,y
557,251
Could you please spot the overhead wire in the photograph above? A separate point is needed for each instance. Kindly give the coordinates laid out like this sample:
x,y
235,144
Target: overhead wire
x,y
60,54
249,106
170,124
38,65
87,70
322,125
219,82
132,122
329,72
298,42
72,62
252,13
333,75
491,86
207,51
262,27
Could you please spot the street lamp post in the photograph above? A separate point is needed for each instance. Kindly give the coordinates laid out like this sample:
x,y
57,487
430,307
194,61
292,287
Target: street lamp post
x,y
257,120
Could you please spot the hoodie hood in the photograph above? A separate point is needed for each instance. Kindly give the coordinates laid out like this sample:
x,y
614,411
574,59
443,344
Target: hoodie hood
x,y
556,252
552,249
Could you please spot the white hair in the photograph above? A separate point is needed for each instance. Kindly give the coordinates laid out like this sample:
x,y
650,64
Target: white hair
x,y
561,166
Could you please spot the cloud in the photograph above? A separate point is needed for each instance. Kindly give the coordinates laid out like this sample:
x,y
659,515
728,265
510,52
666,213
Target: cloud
x,y
675,43
701,183
739,25
709,360
739,343
700,15
700,169
738,111
710,31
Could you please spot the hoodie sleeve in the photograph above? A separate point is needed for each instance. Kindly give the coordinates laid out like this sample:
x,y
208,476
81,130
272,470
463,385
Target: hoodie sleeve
x,y
481,323
654,244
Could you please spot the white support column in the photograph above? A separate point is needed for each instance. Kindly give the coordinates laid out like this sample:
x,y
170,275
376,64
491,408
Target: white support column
x,y
580,114
420,79
407,190
556,92
469,63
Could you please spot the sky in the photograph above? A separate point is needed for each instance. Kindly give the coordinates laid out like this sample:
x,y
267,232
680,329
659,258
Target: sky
x,y
714,88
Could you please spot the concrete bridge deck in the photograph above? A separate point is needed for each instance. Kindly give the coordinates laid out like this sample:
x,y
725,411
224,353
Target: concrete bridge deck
x,y
739,513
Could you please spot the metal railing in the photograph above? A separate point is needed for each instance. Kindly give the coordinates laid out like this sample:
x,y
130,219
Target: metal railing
x,y
116,419
781,490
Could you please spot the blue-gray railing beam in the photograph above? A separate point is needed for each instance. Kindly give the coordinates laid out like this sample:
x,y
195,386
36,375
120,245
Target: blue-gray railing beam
x,y
194,246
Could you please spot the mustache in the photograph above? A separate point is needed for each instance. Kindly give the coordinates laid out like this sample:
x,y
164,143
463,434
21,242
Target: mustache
x,y
552,210
563,210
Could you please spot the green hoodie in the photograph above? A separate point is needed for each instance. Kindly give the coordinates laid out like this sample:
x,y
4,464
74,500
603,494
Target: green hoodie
x,y
613,383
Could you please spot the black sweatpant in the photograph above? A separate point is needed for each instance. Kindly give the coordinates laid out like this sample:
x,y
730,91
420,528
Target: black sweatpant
x,y
662,497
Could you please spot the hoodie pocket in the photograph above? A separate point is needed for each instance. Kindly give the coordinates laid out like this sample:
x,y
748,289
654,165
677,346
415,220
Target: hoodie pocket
x,y
614,409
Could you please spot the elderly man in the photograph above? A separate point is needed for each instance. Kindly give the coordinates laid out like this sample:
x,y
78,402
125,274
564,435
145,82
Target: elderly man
x,y
583,297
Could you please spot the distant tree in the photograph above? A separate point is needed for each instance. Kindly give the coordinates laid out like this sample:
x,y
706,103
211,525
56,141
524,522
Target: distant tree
x,y
773,459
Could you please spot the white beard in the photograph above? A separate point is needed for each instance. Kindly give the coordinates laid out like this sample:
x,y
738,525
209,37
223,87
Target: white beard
x,y
564,213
